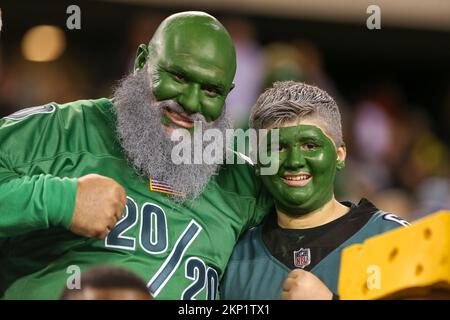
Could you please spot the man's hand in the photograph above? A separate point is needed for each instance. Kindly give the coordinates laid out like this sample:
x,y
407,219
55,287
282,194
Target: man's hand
x,y
303,285
99,205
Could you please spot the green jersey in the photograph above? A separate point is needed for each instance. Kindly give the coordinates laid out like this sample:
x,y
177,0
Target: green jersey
x,y
181,251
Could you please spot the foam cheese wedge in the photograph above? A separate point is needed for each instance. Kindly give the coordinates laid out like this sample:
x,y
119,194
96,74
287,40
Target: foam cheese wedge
x,y
403,263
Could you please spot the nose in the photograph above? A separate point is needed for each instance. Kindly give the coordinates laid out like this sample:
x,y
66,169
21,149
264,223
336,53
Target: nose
x,y
190,99
295,159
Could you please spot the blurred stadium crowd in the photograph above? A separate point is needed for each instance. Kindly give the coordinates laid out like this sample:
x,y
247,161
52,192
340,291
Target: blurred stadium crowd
x,y
398,156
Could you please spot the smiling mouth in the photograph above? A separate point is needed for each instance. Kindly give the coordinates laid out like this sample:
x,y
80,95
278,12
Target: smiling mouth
x,y
181,120
297,180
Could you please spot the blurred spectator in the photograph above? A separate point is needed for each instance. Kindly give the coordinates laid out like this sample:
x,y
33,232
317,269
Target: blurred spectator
x,y
426,169
372,136
284,62
395,158
108,283
433,194
378,138
249,72
299,61
396,201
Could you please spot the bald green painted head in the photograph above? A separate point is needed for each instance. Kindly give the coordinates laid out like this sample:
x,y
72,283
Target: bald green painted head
x,y
192,61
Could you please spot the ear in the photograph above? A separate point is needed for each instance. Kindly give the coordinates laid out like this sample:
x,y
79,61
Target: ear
x,y
341,155
141,57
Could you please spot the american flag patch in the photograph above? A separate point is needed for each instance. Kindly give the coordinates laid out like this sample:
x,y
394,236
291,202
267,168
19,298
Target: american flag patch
x,y
159,186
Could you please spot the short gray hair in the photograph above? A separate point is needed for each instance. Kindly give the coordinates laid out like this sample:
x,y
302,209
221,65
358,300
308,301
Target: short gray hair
x,y
288,100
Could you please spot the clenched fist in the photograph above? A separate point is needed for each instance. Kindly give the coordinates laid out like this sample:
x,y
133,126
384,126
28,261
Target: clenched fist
x,y
99,205
303,285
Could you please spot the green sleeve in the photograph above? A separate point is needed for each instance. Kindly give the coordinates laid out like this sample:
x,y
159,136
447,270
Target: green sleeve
x,y
29,203
31,200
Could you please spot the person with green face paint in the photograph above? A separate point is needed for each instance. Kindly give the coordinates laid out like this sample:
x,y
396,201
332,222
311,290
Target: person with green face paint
x,y
295,252
93,182
192,61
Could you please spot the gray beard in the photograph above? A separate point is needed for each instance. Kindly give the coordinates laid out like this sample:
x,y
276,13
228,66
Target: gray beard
x,y
147,145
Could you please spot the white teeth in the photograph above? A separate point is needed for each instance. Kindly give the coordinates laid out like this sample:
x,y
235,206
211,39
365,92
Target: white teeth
x,y
297,178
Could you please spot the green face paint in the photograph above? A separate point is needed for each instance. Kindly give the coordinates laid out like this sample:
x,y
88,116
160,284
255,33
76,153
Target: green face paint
x,y
306,170
193,62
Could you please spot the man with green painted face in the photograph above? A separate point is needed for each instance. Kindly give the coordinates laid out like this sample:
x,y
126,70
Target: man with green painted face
x,y
92,182
295,252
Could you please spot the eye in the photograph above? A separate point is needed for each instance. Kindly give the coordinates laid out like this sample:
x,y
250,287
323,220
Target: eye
x,y
179,77
211,91
309,146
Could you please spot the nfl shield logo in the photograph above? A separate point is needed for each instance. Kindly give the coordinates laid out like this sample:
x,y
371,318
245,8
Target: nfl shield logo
x,y
302,258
